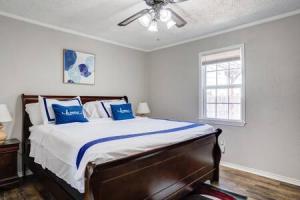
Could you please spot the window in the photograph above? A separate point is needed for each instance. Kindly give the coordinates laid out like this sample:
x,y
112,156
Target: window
x,y
223,86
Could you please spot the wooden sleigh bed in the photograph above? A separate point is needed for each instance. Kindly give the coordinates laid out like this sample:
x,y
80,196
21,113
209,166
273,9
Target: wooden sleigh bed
x,y
169,172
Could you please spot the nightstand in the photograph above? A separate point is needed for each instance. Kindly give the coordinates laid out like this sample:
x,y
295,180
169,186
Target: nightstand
x,y
8,163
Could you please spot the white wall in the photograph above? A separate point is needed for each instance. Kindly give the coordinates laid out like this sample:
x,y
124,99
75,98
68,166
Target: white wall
x,y
271,139
31,62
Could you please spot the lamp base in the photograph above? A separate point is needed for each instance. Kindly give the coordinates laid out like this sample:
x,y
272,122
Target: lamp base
x,y
2,134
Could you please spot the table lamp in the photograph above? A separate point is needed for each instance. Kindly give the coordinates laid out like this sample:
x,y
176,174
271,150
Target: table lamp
x,y
143,109
4,117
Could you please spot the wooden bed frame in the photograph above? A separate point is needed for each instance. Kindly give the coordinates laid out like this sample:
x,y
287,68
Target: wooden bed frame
x,y
169,172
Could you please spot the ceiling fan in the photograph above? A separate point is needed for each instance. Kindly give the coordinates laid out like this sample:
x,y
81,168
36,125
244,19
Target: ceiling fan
x,y
157,12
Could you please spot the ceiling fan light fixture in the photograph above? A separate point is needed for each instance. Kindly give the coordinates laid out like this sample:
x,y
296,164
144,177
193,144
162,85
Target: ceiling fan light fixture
x,y
157,11
145,20
165,15
153,26
170,24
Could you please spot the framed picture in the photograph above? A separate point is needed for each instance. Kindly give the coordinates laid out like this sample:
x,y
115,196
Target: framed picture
x,y
79,67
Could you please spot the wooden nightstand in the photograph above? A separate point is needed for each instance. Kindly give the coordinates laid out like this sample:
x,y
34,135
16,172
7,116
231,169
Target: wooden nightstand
x,y
8,163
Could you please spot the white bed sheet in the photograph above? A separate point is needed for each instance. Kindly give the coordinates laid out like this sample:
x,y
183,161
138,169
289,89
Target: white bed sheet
x,y
55,147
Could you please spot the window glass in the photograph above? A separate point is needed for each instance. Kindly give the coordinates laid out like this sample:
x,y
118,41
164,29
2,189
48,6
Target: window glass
x,y
223,85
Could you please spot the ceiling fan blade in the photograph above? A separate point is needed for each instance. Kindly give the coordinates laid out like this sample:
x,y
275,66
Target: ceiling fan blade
x,y
133,17
176,1
180,22
183,13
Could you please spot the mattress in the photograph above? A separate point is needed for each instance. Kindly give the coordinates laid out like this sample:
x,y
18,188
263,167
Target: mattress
x,y
66,149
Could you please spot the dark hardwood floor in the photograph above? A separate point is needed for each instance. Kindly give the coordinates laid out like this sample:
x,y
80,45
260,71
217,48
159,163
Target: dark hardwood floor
x,y
255,187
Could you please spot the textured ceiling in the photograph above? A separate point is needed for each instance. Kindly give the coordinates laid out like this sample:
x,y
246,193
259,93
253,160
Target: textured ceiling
x,y
99,18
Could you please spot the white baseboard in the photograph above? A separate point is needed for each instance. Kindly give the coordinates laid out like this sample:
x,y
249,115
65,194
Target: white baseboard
x,y
262,173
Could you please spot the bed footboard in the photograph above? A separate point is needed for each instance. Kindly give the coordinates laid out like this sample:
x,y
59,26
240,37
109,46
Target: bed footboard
x,y
166,173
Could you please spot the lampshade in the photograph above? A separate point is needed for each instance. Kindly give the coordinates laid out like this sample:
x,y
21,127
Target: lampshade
x,y
170,24
145,20
165,15
153,26
143,108
4,114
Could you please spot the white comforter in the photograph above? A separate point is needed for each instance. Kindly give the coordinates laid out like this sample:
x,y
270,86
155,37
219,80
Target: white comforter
x,y
55,147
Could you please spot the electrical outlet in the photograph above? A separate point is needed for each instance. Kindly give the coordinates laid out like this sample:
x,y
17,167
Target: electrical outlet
x,y
222,145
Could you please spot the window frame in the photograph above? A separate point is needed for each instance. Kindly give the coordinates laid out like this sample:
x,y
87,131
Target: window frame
x,y
203,87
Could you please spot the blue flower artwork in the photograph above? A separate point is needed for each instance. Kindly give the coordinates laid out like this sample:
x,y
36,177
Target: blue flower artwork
x,y
79,67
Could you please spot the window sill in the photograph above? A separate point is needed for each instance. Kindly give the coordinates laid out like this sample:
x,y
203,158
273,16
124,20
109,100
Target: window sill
x,y
223,122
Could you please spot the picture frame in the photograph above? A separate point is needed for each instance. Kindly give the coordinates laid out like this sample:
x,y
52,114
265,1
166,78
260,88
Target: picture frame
x,y
78,67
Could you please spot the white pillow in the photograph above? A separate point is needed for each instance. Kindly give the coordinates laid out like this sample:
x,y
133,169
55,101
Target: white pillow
x,y
34,112
105,109
47,110
91,109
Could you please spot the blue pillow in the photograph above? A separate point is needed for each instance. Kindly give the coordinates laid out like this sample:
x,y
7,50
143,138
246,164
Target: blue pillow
x,y
122,111
68,114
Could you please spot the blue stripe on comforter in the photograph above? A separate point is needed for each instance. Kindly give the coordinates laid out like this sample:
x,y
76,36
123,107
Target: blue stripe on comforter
x,y
85,147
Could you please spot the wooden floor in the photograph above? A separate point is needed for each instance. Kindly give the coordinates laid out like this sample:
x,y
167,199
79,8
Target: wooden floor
x,y
255,187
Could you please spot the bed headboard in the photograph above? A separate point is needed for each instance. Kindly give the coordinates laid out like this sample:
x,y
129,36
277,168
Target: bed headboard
x,y
26,99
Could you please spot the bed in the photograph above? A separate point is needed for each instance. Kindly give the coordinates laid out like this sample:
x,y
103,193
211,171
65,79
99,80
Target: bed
x,y
168,170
